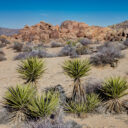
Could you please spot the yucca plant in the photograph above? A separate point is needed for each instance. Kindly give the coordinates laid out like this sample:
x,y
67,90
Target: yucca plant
x,y
16,100
77,69
113,89
92,101
76,108
31,69
44,105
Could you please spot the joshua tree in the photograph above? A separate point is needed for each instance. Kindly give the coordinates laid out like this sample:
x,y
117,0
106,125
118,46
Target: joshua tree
x,y
31,69
77,69
114,89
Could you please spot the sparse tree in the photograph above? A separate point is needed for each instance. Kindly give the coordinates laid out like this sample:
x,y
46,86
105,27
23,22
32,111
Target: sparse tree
x,y
77,69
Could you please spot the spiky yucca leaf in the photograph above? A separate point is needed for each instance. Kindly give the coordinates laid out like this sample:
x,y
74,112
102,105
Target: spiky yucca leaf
x,y
73,107
18,97
76,68
31,69
113,89
92,101
44,105
16,100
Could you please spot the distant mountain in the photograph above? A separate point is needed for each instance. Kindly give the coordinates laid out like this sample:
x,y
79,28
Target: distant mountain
x,y
8,32
123,25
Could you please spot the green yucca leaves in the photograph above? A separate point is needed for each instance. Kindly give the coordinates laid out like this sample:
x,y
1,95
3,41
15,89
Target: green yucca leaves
x,y
31,69
44,105
17,98
73,107
115,87
92,101
76,68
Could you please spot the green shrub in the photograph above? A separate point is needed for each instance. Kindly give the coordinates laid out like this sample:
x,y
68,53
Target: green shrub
x,y
71,43
113,89
17,99
76,108
44,105
31,69
77,69
92,101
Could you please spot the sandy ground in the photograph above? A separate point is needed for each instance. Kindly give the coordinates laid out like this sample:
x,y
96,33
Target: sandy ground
x,y
54,75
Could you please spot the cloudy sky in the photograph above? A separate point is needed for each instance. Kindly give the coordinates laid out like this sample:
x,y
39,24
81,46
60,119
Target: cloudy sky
x,y
17,13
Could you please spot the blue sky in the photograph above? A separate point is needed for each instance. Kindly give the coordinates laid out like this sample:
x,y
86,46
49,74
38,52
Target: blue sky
x,y
17,13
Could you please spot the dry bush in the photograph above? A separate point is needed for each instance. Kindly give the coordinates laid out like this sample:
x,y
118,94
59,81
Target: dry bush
x,y
56,44
34,53
17,46
107,54
85,41
126,43
93,86
2,55
3,41
56,121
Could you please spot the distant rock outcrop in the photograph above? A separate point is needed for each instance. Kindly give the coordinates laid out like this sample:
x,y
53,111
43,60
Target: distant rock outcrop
x,y
122,25
69,30
8,32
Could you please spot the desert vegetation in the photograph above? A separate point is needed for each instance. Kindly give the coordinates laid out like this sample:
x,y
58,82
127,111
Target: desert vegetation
x,y
31,69
107,54
77,69
33,107
3,41
2,55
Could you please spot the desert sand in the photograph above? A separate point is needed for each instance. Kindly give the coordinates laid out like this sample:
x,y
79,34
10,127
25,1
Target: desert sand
x,y
54,76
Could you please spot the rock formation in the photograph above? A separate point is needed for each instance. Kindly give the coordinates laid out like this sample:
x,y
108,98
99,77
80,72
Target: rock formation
x,y
69,30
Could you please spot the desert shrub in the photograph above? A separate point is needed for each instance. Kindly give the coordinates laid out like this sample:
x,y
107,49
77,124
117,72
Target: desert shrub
x,y
92,101
29,46
2,55
44,105
47,123
82,50
68,50
31,69
76,69
126,43
106,55
85,41
71,43
32,50
114,89
116,45
74,50
93,87
3,41
18,46
56,122
76,108
58,89
17,99
34,53
56,44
